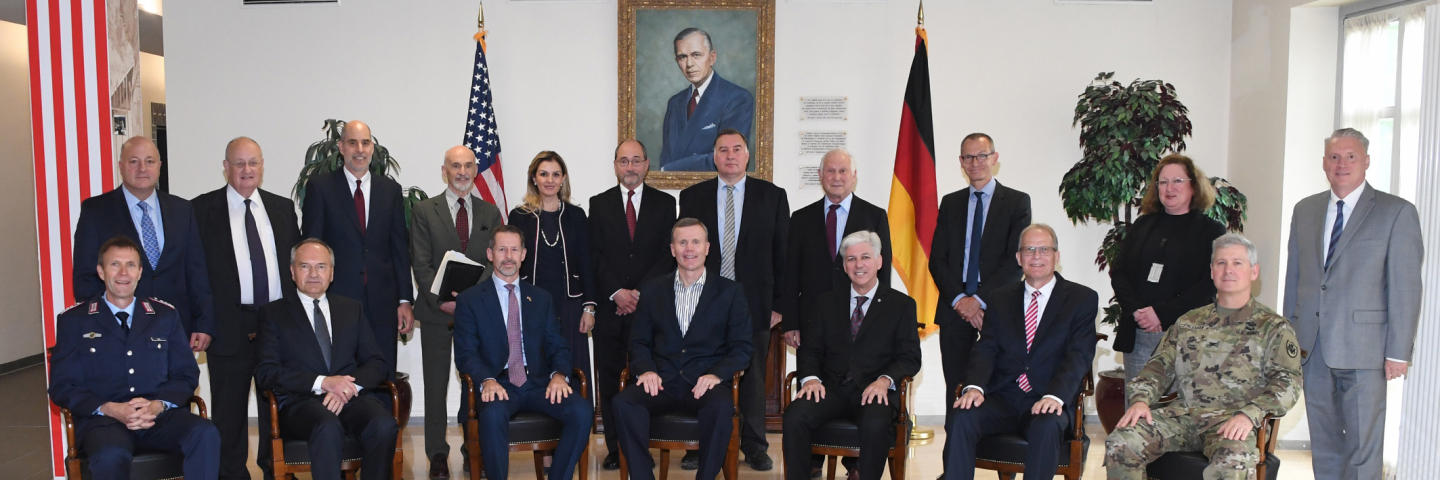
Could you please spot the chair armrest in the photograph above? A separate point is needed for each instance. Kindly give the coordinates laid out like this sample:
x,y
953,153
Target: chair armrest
x,y
199,404
386,386
787,391
735,390
1087,388
584,384
1267,436
1101,336
624,378
905,385
274,413
467,388
69,420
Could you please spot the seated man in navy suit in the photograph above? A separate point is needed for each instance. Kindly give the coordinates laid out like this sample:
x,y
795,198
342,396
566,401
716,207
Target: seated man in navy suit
x,y
690,334
1034,351
319,356
508,341
126,374
695,116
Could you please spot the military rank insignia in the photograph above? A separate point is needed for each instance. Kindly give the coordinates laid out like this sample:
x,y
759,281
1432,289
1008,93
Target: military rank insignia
x,y
91,335
1292,349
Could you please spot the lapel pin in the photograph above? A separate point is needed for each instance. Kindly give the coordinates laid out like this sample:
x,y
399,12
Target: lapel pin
x,y
527,299
91,335
149,310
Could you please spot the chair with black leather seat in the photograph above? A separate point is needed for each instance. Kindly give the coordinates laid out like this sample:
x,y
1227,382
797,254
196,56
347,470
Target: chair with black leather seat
x,y
1191,465
293,456
842,437
678,431
529,432
146,464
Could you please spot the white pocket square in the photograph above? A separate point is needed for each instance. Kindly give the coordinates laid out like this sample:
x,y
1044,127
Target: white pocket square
x,y
710,126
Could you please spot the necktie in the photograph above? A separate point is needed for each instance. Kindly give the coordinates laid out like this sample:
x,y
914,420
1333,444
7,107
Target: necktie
x,y
260,274
322,333
830,225
360,206
1032,321
148,237
516,362
727,244
124,322
630,213
462,226
694,100
857,317
972,261
1336,231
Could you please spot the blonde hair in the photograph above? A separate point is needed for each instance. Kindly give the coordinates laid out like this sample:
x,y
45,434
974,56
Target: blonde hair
x,y
532,202
1204,193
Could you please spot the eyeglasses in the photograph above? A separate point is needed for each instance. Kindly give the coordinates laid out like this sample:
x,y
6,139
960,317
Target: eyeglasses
x,y
971,159
1037,251
1162,183
625,162
251,164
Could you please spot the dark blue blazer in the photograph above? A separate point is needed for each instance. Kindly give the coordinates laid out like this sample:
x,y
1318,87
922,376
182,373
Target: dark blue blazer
x,y
290,357
574,238
181,278
689,143
95,362
373,267
717,341
482,345
1060,357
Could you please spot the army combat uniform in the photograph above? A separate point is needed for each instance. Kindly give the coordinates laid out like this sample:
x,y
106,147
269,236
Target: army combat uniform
x,y
1223,362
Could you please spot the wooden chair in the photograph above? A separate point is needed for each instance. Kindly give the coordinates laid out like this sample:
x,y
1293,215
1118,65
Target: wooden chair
x,y
678,431
529,432
293,456
1190,465
842,437
146,465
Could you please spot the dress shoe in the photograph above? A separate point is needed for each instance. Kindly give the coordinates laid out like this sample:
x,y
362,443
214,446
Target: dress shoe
x,y
815,472
611,462
439,467
691,460
760,461
853,475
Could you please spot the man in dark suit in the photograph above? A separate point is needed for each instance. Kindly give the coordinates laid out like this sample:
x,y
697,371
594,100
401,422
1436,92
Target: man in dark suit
x,y
1033,354
976,230
323,365
628,240
455,221
508,342
690,334
125,374
172,259
752,216
247,233
361,217
862,341
695,116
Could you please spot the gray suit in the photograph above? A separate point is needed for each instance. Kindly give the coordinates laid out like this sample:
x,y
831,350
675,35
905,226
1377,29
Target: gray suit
x,y
1350,319
432,233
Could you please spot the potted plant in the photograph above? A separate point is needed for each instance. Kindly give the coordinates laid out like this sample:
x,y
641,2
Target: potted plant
x,y
1124,132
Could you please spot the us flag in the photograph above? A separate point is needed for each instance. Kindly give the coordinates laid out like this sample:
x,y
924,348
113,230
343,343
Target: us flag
x,y
480,133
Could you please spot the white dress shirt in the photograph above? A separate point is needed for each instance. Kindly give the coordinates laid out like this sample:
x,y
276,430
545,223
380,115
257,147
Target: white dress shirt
x,y
235,205
1045,291
842,215
364,187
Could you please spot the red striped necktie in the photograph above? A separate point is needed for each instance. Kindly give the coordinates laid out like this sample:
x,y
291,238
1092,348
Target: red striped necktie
x,y
1032,322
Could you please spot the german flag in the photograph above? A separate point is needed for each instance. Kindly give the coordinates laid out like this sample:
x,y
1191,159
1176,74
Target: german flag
x,y
913,201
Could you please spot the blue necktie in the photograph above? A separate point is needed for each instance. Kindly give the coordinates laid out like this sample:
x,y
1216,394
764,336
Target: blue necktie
x,y
972,261
1336,231
150,241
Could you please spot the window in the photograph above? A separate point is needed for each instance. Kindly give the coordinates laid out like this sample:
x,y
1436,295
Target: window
x,y
1380,91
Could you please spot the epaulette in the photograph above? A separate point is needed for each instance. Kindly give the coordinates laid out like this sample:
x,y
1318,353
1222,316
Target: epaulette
x,y
72,307
162,302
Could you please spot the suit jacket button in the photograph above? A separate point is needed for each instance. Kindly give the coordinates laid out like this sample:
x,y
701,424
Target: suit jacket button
x,y
132,371
132,389
682,350
1322,287
129,353
92,350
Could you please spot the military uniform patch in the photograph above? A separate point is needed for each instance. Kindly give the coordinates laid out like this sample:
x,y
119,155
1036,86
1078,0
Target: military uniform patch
x,y
1292,349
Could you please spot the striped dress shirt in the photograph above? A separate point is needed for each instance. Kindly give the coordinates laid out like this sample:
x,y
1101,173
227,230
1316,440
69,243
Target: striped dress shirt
x,y
686,299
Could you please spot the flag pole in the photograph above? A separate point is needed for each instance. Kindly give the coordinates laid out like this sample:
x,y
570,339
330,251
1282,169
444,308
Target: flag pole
x,y
917,432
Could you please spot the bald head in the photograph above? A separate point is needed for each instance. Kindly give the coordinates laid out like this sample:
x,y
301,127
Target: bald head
x,y
244,165
459,169
356,146
139,166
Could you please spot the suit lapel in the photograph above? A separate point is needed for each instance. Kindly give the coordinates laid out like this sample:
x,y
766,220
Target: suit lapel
x,y
530,326
302,324
141,320
995,205
342,197
877,304
707,297
107,320
1357,217
219,216
1053,305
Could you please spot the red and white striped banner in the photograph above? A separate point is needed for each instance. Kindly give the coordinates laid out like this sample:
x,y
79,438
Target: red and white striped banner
x,y
70,116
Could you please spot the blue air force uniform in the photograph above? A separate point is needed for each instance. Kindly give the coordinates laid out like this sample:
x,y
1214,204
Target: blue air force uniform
x,y
97,361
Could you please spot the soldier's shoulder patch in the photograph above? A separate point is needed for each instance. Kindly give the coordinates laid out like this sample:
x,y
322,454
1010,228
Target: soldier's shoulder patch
x,y
1292,349
72,307
162,302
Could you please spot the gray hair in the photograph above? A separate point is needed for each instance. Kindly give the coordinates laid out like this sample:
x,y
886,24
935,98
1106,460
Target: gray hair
x,y
1054,239
309,241
1348,132
691,31
840,151
863,236
1234,239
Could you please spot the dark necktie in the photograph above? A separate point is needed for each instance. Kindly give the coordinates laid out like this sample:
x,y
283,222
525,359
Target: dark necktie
x,y
630,213
516,363
462,226
1336,231
322,334
830,225
972,261
694,100
857,317
260,275
124,322
360,206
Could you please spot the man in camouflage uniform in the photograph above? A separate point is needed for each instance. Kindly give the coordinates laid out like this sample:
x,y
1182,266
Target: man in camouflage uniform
x,y
1233,362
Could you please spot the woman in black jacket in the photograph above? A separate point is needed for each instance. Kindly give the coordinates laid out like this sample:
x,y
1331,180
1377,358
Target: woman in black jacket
x,y
557,255
1162,269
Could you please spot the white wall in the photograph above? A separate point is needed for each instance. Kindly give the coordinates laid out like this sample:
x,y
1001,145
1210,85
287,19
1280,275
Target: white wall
x,y
1012,69
20,286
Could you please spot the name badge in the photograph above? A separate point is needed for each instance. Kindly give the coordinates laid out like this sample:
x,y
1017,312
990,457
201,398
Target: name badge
x,y
1155,270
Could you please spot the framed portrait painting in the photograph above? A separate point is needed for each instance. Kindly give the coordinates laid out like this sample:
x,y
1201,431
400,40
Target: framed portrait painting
x,y
690,69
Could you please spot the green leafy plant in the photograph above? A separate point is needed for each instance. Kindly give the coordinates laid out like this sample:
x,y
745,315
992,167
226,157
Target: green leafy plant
x,y
324,157
1124,132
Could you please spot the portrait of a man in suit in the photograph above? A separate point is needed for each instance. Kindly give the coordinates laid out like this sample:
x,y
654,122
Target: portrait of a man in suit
x,y
697,113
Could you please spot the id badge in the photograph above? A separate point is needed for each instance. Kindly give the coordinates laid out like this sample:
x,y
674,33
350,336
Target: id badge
x,y
1155,269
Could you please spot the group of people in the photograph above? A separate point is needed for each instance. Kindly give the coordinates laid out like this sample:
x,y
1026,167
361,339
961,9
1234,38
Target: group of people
x,y
684,294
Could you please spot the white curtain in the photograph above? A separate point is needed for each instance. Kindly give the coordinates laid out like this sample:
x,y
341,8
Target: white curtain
x,y
1369,87
1412,62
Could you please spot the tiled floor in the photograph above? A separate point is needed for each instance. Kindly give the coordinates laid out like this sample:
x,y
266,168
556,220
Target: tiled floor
x,y
24,445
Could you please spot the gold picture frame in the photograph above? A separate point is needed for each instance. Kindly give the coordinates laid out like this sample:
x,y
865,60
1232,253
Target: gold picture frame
x,y
646,31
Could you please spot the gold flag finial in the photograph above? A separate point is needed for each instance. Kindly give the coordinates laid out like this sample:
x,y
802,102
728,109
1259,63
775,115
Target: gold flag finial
x,y
480,19
920,18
